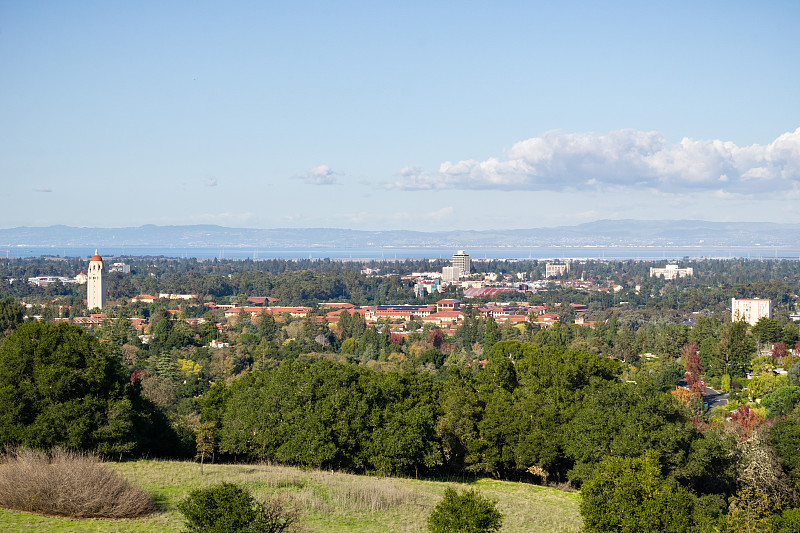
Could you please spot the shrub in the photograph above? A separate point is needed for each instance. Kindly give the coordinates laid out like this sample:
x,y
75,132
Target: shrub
x,y
228,508
465,512
67,483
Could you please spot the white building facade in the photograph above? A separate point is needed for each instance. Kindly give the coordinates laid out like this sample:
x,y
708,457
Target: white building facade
x,y
462,262
555,269
450,273
750,309
671,272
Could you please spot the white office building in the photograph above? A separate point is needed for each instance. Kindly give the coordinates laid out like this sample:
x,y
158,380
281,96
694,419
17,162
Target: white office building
x,y
462,262
555,269
450,273
750,309
671,272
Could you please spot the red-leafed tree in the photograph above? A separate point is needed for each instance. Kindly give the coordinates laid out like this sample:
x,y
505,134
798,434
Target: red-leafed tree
x,y
395,338
437,339
745,421
140,374
779,351
694,368
688,349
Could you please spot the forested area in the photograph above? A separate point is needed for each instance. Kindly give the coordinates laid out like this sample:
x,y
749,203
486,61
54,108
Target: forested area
x,y
596,408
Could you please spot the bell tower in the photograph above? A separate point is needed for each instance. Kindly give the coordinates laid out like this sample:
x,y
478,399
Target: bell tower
x,y
96,283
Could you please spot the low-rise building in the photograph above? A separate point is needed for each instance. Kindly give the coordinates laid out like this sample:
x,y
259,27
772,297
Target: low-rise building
x,y
120,267
555,269
671,272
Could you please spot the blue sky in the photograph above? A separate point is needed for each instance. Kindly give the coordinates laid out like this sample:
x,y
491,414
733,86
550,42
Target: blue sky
x,y
422,115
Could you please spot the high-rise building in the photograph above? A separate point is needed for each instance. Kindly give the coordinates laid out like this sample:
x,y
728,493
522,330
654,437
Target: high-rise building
x,y
750,309
450,273
461,260
95,283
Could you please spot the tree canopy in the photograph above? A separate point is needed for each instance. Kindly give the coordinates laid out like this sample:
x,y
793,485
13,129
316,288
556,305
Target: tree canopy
x,y
60,387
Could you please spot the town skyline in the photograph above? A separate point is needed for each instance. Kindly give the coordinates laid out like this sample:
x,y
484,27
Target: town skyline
x,y
412,117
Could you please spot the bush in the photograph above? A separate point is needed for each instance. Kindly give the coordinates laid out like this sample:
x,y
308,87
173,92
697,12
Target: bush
x,y
67,483
228,508
465,512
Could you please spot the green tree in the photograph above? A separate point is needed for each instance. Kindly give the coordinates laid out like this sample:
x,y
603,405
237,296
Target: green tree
x,y
59,386
492,334
784,436
464,512
767,330
11,315
205,442
629,495
782,401
787,522
737,348
625,419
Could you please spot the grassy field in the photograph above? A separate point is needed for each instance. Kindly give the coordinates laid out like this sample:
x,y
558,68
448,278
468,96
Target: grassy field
x,y
330,502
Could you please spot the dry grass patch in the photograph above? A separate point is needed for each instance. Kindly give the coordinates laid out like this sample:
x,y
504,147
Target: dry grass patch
x,y
66,483
325,493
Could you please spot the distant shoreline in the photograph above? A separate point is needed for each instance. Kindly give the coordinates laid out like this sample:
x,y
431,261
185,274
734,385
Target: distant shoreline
x,y
243,252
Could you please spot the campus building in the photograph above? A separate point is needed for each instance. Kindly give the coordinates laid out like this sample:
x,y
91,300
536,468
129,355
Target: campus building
x,y
462,262
555,269
671,272
95,283
750,309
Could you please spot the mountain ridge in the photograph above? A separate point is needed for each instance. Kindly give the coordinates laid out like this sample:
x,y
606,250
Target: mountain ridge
x,y
627,232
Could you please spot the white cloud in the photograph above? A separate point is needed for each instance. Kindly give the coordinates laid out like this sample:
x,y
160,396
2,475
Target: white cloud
x,y
42,188
211,182
626,159
413,178
321,175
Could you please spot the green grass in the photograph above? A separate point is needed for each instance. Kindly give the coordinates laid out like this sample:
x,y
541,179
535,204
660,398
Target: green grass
x,y
330,502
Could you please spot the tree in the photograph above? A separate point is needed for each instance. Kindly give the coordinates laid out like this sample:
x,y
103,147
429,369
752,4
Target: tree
x,y
629,495
205,442
779,351
767,330
11,315
464,512
694,368
787,522
59,386
492,334
782,401
625,419
784,436
437,338
749,512
736,348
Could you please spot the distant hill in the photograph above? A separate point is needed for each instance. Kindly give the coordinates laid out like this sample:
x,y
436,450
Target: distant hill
x,y
599,233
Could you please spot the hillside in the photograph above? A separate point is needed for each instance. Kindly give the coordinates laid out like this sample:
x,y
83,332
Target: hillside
x,y
331,502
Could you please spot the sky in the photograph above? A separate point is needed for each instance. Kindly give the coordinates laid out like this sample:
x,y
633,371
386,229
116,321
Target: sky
x,y
415,115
